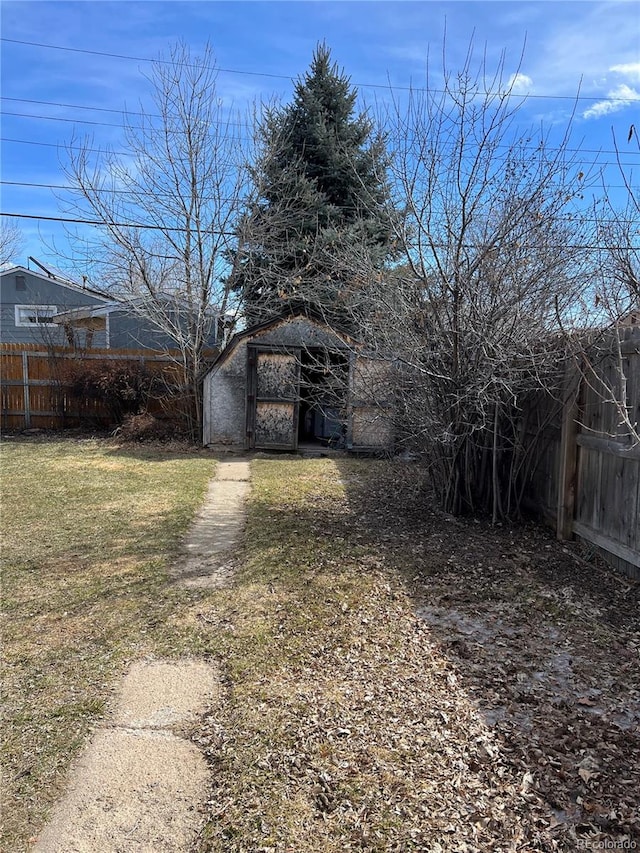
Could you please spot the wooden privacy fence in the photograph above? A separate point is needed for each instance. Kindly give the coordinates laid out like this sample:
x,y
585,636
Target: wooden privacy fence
x,y
587,478
36,392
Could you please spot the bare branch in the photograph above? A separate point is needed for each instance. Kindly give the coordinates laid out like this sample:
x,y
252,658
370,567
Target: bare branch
x,y
184,175
11,241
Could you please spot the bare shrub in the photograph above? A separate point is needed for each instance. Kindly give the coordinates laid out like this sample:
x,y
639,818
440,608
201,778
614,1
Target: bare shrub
x,y
147,427
493,263
123,388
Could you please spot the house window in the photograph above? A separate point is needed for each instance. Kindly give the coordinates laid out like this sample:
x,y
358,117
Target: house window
x,y
35,315
21,282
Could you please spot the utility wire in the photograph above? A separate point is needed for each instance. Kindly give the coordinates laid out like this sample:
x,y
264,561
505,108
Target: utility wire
x,y
68,146
30,185
123,125
243,125
141,226
152,61
385,86
110,224
75,106
123,112
64,145
60,118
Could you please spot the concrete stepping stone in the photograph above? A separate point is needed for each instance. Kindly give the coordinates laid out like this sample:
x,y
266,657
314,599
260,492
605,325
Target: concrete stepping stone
x,y
217,528
138,785
164,694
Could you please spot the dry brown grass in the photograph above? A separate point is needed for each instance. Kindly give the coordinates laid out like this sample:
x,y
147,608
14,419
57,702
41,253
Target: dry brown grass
x,y
395,679
398,680
88,528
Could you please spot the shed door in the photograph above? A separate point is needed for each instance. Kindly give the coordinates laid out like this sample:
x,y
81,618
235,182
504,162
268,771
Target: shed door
x,y
273,392
371,408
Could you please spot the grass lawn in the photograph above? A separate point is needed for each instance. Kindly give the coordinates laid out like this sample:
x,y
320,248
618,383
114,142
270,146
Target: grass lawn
x,y
400,680
394,679
88,530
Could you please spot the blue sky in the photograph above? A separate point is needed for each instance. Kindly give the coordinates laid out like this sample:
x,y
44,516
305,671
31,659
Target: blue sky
x,y
593,47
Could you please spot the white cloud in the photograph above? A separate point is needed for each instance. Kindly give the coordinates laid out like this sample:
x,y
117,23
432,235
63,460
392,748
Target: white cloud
x,y
629,69
622,95
617,99
520,84
571,47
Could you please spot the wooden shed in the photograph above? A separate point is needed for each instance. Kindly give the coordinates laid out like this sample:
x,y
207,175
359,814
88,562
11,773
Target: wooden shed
x,y
295,382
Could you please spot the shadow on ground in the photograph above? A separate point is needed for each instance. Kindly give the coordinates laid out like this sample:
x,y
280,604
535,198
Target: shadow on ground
x,y
545,644
485,695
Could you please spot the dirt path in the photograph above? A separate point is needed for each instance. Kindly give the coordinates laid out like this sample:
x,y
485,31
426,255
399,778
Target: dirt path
x,y
139,783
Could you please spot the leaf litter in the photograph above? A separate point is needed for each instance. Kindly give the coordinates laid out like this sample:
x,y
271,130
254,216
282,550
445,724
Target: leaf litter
x,y
417,682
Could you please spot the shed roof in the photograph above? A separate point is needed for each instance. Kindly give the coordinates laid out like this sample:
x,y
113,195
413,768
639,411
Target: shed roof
x,y
252,331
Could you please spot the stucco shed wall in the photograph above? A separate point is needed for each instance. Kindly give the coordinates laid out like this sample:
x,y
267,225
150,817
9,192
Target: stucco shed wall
x,y
225,387
225,399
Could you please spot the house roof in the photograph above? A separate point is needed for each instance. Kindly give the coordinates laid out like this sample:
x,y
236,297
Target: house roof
x,y
12,269
631,318
86,313
135,305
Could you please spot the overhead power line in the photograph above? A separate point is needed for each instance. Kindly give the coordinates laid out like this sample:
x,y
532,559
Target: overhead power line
x,y
141,58
243,125
142,226
30,185
68,146
76,106
61,118
111,224
124,112
63,145
123,125
120,126
384,86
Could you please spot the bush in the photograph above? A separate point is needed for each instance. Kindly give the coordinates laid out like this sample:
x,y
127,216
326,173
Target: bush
x,y
146,427
123,387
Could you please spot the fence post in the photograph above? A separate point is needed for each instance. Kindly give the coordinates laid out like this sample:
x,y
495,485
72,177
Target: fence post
x,y
568,453
25,389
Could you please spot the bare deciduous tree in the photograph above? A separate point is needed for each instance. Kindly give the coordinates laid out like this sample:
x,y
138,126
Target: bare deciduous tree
x,y
492,241
619,241
166,209
11,240
604,365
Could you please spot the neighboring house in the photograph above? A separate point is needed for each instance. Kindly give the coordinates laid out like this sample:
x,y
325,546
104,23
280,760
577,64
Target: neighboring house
x,y
29,301
46,308
296,381
631,319
122,325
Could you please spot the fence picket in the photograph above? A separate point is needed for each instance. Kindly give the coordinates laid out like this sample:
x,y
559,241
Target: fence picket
x,y
34,395
596,443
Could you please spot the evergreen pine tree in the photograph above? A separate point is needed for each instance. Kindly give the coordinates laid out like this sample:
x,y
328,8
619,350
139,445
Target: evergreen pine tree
x,y
320,188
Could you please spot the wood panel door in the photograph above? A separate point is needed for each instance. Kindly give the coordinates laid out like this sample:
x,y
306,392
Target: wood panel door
x,y
370,423
273,394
